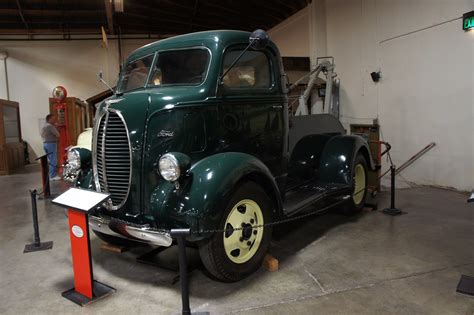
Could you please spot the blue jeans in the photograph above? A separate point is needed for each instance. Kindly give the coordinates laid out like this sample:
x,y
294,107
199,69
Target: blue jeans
x,y
52,151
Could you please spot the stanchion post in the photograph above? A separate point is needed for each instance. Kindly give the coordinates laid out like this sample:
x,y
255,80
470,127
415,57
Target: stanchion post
x,y
45,176
34,209
180,236
37,245
392,210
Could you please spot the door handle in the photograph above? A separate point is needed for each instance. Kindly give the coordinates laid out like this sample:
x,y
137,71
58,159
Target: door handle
x,y
277,106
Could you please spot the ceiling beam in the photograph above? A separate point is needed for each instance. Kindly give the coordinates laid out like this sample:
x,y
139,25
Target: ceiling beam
x,y
47,31
110,13
49,13
21,15
193,17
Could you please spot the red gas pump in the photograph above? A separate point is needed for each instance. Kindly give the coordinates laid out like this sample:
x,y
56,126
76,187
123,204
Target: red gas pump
x,y
59,98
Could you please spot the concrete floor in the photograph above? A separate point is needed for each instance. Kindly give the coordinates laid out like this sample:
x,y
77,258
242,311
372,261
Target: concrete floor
x,y
370,264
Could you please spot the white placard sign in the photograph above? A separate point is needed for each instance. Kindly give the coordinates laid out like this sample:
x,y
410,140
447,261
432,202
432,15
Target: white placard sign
x,y
80,199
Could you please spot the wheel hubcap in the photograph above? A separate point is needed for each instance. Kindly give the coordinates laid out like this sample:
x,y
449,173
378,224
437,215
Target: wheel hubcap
x,y
241,245
359,184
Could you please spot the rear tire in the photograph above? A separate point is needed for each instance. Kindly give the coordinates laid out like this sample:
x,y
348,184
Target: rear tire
x,y
233,255
359,183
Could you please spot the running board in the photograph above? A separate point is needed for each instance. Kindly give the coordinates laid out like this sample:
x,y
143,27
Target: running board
x,y
307,195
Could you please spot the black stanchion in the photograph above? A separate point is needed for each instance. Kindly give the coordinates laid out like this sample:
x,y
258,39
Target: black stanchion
x,y
466,283
45,176
180,236
392,210
37,245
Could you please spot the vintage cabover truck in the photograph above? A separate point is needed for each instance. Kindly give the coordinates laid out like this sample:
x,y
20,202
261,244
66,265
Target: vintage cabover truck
x,y
197,135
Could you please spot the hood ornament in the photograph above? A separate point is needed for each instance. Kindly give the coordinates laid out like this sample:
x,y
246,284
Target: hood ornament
x,y
113,101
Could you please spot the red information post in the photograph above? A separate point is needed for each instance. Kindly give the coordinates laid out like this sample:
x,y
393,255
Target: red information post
x,y
79,202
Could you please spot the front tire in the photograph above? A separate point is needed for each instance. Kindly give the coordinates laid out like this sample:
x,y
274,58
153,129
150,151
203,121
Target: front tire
x,y
233,255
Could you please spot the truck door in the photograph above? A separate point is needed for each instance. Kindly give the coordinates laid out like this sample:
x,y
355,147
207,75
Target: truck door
x,y
251,107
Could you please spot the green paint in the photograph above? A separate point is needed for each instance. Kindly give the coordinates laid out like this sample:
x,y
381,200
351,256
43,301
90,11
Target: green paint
x,y
229,135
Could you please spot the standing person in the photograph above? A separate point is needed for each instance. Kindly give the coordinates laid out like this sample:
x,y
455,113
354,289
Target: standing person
x,y
50,136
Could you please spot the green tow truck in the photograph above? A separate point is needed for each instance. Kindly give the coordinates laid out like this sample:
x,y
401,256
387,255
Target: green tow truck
x,y
198,135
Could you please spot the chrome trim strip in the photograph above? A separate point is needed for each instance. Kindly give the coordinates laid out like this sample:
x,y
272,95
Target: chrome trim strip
x,y
95,134
94,156
101,225
142,234
148,235
104,166
119,114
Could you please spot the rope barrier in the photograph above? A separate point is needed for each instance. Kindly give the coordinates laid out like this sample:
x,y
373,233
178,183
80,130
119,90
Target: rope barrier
x,y
258,226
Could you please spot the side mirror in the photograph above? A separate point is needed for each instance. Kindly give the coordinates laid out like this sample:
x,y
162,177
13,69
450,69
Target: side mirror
x,y
100,76
258,39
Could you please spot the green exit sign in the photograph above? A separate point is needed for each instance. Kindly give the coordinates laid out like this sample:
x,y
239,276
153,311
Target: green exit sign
x,y
468,21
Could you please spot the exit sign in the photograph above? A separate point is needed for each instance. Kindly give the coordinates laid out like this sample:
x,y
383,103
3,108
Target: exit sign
x,y
468,21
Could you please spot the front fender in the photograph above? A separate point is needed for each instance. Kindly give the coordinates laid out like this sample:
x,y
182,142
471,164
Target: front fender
x,y
338,158
85,180
201,198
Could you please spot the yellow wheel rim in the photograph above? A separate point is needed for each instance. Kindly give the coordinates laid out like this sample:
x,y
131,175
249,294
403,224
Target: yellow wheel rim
x,y
241,245
359,184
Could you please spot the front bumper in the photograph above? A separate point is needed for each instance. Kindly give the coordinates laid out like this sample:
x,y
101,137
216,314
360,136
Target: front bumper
x,y
140,233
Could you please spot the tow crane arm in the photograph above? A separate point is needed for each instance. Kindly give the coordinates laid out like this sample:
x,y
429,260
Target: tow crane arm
x,y
325,65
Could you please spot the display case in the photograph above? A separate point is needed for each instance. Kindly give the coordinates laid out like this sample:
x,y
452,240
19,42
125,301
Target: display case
x,y
12,151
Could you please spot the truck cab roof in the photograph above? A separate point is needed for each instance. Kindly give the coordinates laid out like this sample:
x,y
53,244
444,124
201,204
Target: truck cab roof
x,y
212,39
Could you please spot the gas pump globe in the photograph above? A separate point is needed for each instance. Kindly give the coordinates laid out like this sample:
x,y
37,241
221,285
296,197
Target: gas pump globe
x,y
59,93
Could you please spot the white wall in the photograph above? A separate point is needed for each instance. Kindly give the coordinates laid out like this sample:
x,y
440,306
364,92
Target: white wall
x,y
292,35
427,89
36,67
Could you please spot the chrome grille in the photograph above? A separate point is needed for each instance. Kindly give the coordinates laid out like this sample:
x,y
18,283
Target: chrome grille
x,y
113,165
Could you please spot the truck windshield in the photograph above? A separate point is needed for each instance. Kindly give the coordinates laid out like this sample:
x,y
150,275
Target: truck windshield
x,y
135,73
180,67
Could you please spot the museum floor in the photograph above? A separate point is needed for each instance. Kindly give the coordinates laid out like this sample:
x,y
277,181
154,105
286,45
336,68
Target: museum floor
x,y
329,264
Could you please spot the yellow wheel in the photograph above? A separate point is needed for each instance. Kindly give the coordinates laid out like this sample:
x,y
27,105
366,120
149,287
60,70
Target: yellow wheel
x,y
241,245
359,184
239,251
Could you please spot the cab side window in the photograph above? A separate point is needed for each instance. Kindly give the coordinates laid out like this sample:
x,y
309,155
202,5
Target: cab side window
x,y
252,71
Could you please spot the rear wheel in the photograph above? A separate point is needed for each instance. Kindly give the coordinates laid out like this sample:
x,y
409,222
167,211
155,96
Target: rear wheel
x,y
359,183
234,254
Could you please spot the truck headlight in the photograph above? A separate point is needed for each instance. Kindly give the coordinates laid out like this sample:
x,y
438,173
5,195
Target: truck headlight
x,y
74,159
169,167
172,165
